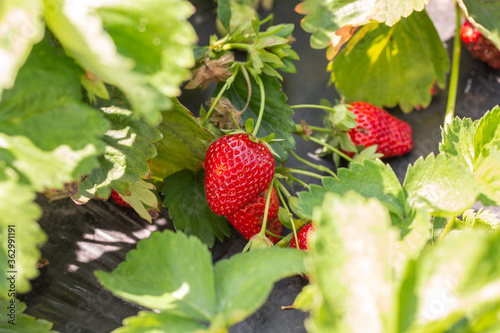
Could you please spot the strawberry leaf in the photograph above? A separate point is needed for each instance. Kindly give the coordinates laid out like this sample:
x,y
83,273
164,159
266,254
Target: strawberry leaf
x,y
46,133
143,199
244,281
370,179
21,28
487,171
17,222
488,130
159,322
129,144
458,140
485,16
187,205
349,264
432,183
393,65
183,144
179,276
173,274
332,23
276,118
144,49
22,322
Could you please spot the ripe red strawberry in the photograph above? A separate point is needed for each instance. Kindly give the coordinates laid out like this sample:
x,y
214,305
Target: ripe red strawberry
x,y
302,236
479,46
376,126
236,171
248,219
118,199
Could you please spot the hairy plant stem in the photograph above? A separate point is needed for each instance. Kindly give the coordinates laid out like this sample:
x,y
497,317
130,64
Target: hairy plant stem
x,y
299,130
332,148
447,228
312,106
262,104
279,188
312,165
455,69
305,173
262,231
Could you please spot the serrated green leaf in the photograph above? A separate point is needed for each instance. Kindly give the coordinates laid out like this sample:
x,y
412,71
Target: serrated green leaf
x,y
183,144
17,222
485,16
129,144
487,171
150,322
47,134
143,200
390,66
143,48
169,271
478,219
20,28
187,204
458,140
21,322
244,281
370,179
349,263
488,130
277,113
331,22
432,183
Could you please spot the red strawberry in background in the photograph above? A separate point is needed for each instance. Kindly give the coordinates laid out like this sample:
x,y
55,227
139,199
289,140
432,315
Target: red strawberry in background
x,y
118,199
302,236
236,171
248,219
479,46
377,127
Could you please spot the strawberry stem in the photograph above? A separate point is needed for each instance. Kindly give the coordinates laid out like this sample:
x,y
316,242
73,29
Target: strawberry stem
x,y
262,231
297,181
273,235
312,165
300,130
280,187
262,104
313,106
447,228
332,148
304,172
455,69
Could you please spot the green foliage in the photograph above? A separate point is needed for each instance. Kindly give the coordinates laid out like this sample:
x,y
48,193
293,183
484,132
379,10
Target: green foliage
x,y
144,48
129,144
150,322
18,209
485,15
187,205
23,323
276,118
181,282
331,22
183,144
390,66
143,199
21,28
432,183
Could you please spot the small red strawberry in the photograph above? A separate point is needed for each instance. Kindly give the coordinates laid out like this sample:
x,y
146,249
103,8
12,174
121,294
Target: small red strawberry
x,y
248,219
377,127
479,46
236,171
118,199
302,236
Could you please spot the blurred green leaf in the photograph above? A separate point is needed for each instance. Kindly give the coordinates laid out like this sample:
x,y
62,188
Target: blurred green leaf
x,y
150,322
485,16
22,323
390,66
20,28
145,48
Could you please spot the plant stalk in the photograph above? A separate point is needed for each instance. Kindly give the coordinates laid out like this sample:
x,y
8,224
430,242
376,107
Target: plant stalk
x,y
447,228
312,165
262,104
330,147
455,70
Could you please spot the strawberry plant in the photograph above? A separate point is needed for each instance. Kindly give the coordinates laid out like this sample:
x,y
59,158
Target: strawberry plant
x,y
89,109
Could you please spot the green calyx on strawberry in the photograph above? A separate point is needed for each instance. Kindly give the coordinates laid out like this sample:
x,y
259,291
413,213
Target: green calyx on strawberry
x,y
118,199
237,169
376,126
479,46
248,219
302,236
